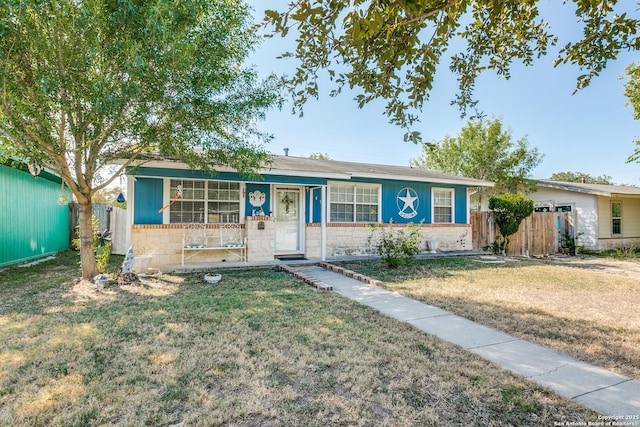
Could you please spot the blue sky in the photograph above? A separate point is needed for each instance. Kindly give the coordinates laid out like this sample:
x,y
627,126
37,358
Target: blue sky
x,y
591,131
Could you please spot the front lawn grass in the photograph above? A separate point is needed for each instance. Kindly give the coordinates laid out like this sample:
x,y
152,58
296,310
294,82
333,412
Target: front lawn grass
x,y
588,313
257,349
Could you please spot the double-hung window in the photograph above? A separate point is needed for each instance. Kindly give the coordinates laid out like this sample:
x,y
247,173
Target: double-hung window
x,y
616,218
204,201
442,205
354,203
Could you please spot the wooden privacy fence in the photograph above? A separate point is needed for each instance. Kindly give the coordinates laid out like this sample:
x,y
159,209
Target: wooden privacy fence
x,y
99,210
540,233
109,218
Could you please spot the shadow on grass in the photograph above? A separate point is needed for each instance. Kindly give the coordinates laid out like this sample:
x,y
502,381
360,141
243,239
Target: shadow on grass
x,y
624,266
55,286
420,268
257,347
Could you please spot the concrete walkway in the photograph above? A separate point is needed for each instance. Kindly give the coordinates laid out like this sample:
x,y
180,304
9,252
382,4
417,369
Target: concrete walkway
x,y
597,388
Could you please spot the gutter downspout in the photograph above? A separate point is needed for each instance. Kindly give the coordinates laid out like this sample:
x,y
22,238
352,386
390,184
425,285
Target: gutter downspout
x,y
323,224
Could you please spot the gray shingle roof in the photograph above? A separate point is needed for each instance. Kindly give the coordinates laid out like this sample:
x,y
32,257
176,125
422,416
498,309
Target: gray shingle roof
x,y
596,189
303,166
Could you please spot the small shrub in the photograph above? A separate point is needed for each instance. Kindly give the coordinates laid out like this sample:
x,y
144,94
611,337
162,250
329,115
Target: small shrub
x,y
624,253
103,253
569,242
398,247
586,251
496,247
508,211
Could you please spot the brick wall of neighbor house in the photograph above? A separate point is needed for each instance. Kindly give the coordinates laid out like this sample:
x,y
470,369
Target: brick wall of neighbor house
x,y
621,243
359,239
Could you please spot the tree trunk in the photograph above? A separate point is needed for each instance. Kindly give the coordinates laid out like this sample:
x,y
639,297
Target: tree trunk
x,y
87,255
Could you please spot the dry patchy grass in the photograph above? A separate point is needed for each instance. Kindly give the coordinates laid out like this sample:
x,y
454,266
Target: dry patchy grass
x,y
584,308
257,349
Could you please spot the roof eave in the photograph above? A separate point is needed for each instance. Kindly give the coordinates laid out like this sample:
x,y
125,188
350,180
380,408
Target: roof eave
x,y
574,189
170,164
167,164
454,181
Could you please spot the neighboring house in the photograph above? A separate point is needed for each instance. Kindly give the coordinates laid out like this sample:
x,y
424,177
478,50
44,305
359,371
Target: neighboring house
x,y
302,207
604,216
34,220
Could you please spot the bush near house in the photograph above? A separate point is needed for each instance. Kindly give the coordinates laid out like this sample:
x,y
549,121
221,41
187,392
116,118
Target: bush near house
x,y
397,246
509,210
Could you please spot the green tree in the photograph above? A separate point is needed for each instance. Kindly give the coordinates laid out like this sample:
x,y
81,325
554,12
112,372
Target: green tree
x,y
319,156
87,82
580,177
508,212
483,150
632,92
109,196
391,49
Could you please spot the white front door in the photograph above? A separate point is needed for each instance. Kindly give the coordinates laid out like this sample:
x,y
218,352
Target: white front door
x,y
288,220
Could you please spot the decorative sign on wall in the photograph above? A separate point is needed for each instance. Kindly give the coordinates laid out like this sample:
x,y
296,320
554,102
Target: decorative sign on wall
x,y
408,203
257,198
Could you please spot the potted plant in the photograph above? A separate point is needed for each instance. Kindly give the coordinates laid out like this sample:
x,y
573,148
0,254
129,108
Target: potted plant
x,y
212,277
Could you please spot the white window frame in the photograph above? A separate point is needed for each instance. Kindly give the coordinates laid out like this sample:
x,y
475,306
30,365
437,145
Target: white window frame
x,y
433,204
166,219
616,217
353,186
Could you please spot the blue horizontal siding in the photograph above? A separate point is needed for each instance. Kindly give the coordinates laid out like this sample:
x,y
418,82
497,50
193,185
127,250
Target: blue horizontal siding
x,y
149,194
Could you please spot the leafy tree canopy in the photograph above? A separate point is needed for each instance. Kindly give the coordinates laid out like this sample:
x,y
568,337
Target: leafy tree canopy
x,y
86,82
580,177
110,196
483,150
632,92
390,49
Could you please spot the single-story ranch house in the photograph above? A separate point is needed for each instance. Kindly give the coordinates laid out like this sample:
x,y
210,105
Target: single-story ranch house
x,y
301,207
603,216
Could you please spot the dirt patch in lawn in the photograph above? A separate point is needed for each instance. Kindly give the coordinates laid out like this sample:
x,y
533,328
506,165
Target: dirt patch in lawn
x,y
606,265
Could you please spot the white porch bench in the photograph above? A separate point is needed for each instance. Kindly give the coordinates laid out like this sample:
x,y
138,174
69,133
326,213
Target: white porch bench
x,y
198,237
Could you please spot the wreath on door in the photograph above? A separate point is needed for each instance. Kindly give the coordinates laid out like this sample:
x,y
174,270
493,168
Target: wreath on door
x,y
288,201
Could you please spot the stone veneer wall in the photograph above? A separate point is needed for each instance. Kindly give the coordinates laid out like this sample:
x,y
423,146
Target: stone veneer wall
x,y
164,243
360,239
260,243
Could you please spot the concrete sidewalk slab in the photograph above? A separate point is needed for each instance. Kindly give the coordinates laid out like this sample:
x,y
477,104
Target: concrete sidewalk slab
x,y
567,376
404,309
462,332
622,400
602,390
526,358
